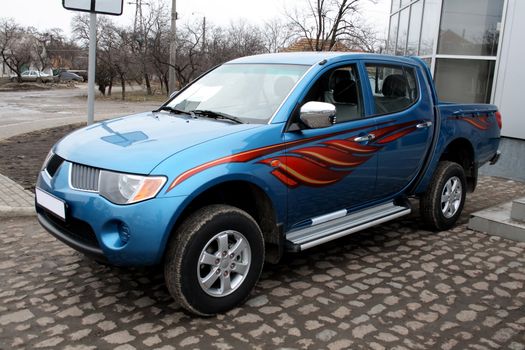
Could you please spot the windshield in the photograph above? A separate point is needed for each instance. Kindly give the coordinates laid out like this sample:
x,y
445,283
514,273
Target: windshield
x,y
250,92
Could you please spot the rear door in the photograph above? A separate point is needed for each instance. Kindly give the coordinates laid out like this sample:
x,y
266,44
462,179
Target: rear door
x,y
402,110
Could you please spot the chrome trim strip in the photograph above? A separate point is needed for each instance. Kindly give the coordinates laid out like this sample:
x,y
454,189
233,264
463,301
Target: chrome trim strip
x,y
324,218
291,91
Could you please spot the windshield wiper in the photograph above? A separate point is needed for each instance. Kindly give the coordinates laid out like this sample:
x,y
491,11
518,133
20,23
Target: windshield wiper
x,y
173,110
217,115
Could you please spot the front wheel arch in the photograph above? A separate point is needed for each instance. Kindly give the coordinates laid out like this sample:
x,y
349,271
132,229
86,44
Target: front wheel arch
x,y
263,211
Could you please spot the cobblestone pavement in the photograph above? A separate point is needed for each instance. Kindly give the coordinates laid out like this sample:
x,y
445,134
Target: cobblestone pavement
x,y
393,286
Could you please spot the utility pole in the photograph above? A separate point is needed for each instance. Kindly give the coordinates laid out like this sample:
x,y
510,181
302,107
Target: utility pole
x,y
173,48
203,35
92,64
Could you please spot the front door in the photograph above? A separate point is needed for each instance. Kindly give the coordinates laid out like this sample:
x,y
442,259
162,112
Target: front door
x,y
331,169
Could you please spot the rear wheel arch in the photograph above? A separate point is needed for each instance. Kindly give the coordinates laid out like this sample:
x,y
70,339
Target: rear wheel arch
x,y
248,197
461,151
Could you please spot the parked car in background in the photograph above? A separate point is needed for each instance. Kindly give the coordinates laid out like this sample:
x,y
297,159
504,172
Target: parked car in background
x,y
80,72
69,76
263,155
33,76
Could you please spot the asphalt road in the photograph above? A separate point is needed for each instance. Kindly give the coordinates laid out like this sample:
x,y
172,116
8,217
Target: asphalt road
x,y
25,111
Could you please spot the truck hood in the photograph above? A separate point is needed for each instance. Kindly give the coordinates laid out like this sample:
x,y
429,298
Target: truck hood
x,y
138,143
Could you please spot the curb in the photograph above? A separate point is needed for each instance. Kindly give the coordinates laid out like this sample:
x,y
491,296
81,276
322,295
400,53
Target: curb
x,y
11,212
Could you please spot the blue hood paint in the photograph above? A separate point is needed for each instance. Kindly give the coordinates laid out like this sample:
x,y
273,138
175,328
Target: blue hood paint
x,y
138,143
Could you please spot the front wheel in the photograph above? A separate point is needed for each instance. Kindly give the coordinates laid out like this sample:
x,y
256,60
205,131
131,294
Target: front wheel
x,y
214,260
443,202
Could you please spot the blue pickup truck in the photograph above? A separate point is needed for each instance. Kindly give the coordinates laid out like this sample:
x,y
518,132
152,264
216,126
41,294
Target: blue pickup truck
x,y
259,156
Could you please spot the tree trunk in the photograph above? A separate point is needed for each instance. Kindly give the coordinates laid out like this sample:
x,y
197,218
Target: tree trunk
x,y
148,85
166,83
123,85
110,87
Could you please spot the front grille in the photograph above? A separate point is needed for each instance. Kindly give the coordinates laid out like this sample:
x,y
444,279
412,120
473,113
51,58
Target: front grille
x,y
53,164
84,178
78,230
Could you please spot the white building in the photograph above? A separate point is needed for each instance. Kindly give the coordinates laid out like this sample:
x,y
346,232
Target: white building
x,y
473,47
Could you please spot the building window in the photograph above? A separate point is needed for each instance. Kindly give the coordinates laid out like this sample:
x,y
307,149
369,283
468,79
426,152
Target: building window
x,y
470,27
416,14
395,5
392,34
429,28
463,80
402,32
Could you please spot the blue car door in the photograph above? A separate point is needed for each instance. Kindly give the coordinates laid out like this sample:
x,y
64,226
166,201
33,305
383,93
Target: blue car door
x,y
329,170
403,113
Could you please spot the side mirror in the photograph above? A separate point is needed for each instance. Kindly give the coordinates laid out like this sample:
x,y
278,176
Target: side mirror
x,y
317,114
173,94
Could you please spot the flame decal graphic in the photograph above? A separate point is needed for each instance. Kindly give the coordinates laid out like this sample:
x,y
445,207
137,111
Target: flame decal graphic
x,y
322,164
331,161
481,122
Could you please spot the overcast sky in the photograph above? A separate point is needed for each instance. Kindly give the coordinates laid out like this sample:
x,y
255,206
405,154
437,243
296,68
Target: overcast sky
x,y
50,13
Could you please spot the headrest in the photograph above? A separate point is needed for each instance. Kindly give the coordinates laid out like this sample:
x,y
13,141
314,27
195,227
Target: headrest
x,y
338,78
395,85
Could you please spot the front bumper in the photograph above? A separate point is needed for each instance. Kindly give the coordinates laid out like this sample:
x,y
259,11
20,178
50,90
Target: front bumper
x,y
124,235
70,237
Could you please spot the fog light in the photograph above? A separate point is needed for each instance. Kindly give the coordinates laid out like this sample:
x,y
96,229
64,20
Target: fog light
x,y
124,233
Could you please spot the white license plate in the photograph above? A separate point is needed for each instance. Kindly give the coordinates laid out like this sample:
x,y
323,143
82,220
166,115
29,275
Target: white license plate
x,y
51,203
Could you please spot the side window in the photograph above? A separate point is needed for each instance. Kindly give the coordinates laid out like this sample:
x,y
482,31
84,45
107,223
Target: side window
x,y
340,87
394,87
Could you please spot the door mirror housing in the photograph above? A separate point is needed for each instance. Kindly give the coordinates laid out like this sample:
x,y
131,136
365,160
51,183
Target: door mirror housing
x,y
318,115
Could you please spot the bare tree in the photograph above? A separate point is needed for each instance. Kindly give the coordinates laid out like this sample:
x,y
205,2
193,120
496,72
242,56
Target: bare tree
x,y
324,22
107,46
277,35
53,49
365,38
159,46
15,47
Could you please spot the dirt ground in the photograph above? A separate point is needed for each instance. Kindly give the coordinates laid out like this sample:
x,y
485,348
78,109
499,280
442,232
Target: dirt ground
x,y
22,156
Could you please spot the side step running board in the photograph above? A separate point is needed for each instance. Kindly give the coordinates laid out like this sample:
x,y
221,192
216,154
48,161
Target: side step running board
x,y
311,236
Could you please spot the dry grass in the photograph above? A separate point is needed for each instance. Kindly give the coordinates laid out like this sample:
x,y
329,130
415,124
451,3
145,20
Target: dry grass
x,y
135,96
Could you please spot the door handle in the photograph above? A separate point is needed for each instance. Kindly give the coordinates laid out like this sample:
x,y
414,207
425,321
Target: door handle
x,y
366,138
424,125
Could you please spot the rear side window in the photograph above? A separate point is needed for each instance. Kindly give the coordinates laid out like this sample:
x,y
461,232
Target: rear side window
x,y
394,87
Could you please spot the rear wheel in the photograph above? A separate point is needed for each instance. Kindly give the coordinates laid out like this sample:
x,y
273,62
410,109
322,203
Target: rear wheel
x,y
443,202
214,260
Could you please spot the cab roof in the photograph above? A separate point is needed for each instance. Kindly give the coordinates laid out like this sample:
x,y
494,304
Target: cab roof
x,y
311,58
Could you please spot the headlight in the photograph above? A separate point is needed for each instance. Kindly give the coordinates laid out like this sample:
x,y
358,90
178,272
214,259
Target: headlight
x,y
48,157
126,189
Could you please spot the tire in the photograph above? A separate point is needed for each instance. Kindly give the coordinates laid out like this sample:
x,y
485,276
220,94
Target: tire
x,y
439,210
199,237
